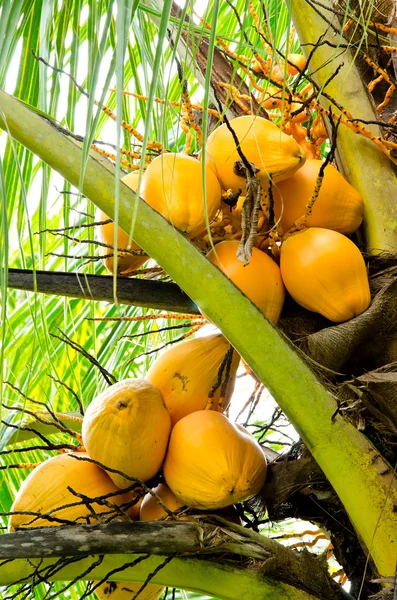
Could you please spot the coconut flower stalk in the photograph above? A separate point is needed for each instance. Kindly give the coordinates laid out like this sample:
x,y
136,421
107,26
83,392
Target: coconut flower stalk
x,y
366,168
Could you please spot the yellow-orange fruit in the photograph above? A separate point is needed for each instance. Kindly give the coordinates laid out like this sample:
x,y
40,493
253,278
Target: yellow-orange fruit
x,y
45,490
126,590
325,272
151,510
186,373
212,463
262,143
172,185
127,428
338,206
298,63
260,280
126,263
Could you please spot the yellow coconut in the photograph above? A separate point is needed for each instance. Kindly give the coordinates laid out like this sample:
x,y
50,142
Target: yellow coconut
x,y
151,510
212,463
126,590
325,272
262,143
126,263
45,491
338,205
260,280
173,186
127,428
186,373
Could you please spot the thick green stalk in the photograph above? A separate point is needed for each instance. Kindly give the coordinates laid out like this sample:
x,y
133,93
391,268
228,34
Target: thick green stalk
x,y
361,478
203,576
366,167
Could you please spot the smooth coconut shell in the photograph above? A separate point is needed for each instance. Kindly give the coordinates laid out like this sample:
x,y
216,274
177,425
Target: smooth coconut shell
x,y
127,428
338,206
172,185
260,280
126,263
126,590
45,489
262,143
325,272
186,373
151,510
212,463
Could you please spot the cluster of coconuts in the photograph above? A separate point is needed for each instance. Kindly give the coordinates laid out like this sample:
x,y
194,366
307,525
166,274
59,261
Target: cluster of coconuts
x,y
320,267
139,427
136,427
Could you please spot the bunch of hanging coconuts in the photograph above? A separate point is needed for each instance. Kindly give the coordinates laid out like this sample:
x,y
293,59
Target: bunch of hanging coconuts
x,y
319,266
173,420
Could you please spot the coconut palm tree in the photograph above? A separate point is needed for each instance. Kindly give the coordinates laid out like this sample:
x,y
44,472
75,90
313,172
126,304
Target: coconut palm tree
x,y
63,66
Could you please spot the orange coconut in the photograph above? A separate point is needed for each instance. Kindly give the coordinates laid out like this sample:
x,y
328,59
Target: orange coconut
x,y
173,186
325,272
126,263
186,373
126,590
151,510
262,143
338,206
260,280
127,428
45,490
212,463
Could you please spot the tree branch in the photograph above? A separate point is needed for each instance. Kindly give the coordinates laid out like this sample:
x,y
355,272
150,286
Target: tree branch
x,y
133,292
273,569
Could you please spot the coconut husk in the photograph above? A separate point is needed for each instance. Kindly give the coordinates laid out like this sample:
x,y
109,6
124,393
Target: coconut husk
x,y
377,392
389,591
333,346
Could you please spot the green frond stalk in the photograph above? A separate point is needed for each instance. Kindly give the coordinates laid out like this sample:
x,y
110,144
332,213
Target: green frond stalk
x,y
364,165
362,479
203,576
